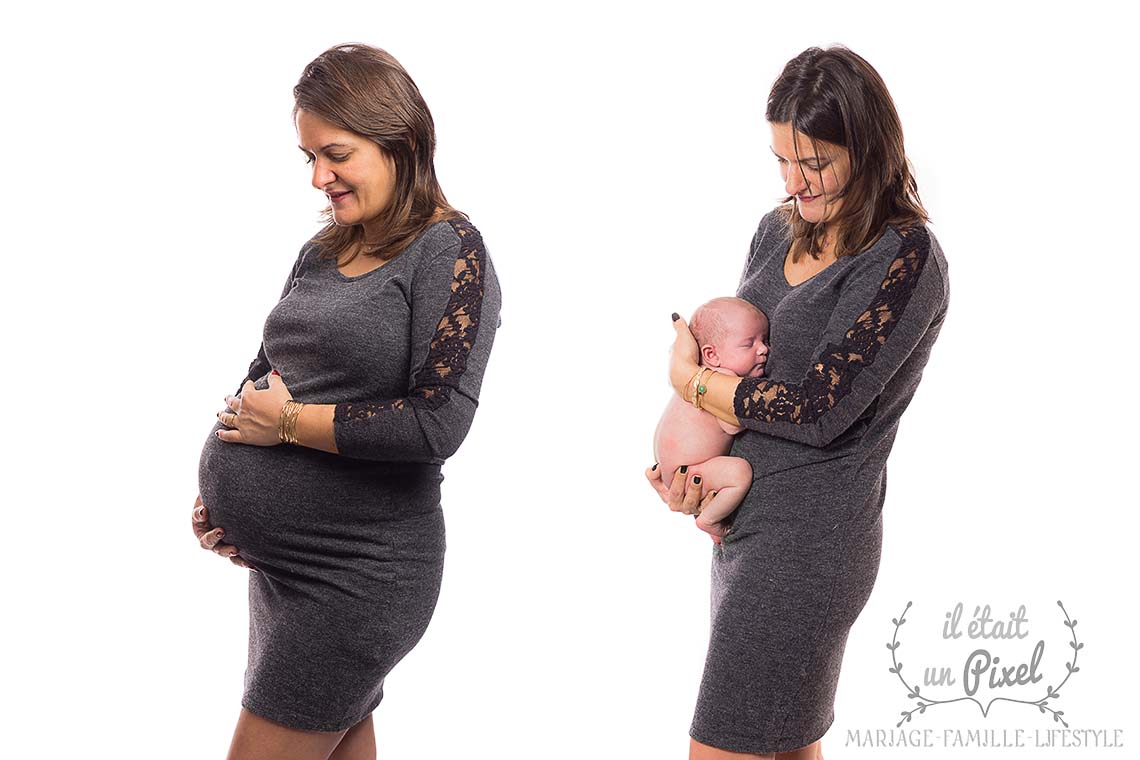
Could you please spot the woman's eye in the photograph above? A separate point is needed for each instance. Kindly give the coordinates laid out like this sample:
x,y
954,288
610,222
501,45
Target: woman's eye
x,y
338,159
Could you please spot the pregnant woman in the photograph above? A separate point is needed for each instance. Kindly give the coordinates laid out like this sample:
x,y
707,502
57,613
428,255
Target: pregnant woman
x,y
324,470
856,289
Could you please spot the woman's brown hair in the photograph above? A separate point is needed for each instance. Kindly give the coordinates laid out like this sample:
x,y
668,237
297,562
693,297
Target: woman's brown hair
x,y
365,90
835,96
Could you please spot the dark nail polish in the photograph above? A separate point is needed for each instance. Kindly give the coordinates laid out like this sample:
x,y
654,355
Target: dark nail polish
x,y
684,468
697,480
654,468
676,316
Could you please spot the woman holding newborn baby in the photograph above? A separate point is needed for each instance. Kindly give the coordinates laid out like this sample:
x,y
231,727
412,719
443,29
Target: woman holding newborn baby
x,y
324,468
856,289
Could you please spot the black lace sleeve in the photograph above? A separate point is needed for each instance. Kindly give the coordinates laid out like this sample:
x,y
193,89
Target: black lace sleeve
x,y
259,367
858,358
455,310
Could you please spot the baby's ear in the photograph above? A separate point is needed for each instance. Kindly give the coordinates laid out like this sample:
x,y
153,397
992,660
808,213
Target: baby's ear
x,y
709,356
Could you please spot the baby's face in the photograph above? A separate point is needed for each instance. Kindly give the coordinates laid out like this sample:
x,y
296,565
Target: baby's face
x,y
745,347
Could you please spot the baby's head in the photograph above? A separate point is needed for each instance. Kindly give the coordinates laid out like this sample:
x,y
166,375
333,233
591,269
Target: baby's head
x,y
733,335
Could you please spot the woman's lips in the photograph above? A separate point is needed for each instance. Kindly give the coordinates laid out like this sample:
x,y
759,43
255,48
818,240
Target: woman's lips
x,y
337,197
806,198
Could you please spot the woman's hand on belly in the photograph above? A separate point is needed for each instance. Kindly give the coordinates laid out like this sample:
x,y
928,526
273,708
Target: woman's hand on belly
x,y
211,538
252,417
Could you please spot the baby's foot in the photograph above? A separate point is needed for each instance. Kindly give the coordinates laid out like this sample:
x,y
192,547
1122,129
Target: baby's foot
x,y
717,530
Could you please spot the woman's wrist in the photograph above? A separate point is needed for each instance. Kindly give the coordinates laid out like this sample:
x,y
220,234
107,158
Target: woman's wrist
x,y
315,427
681,377
287,421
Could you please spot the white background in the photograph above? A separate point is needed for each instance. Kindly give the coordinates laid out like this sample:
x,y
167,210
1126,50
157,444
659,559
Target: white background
x,y
616,161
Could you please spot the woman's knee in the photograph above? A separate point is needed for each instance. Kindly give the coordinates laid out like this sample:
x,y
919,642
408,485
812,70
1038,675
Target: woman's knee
x,y
698,751
258,738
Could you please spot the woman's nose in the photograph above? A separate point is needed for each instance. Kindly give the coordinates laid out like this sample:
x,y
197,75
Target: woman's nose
x,y
794,183
322,175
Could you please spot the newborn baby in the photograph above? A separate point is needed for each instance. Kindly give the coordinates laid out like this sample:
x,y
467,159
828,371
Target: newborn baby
x,y
733,339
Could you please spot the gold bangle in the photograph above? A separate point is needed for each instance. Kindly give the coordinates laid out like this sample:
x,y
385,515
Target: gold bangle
x,y
287,422
692,384
702,387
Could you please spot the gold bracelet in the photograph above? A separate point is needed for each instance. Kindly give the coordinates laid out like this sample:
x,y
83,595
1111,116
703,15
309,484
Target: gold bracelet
x,y
701,386
291,420
287,422
692,384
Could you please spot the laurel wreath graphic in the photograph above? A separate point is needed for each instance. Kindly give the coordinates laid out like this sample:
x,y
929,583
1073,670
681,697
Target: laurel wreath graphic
x,y
924,701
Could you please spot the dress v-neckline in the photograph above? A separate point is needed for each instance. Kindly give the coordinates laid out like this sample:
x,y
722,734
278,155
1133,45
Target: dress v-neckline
x,y
351,277
784,270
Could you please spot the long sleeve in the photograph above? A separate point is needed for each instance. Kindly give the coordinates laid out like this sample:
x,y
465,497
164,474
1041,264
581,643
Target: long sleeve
x,y
455,303
259,367
885,310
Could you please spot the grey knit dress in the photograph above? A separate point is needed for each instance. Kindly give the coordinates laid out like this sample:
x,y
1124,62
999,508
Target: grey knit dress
x,y
350,546
847,351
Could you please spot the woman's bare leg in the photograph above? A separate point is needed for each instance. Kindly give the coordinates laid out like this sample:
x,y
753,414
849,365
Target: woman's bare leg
x,y
810,752
358,744
698,751
257,738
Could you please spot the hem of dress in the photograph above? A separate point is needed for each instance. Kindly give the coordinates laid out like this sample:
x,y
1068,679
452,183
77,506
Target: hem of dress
x,y
303,723
757,746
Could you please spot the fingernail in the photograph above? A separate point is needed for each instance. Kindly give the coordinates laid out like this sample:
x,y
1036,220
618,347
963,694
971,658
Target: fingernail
x,y
684,468
654,468
275,372
697,480
676,316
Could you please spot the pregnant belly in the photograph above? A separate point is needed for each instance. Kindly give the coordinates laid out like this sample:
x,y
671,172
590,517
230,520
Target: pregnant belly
x,y
298,510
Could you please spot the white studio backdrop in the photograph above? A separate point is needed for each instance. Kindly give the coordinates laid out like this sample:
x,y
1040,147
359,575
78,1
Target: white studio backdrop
x,y
616,160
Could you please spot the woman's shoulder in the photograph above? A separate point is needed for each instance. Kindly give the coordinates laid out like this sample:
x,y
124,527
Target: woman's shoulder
x,y
904,253
913,242
774,224
454,246
449,236
771,236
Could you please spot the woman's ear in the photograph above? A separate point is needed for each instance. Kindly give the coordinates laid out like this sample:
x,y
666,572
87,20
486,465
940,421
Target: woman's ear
x,y
709,356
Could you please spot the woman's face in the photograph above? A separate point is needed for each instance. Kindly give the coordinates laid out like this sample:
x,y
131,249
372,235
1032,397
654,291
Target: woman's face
x,y
813,178
357,175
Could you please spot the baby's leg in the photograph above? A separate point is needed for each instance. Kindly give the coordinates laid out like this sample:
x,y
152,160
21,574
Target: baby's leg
x,y
730,477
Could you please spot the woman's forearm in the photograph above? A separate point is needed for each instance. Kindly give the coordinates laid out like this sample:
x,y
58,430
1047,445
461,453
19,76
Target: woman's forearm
x,y
315,427
720,390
